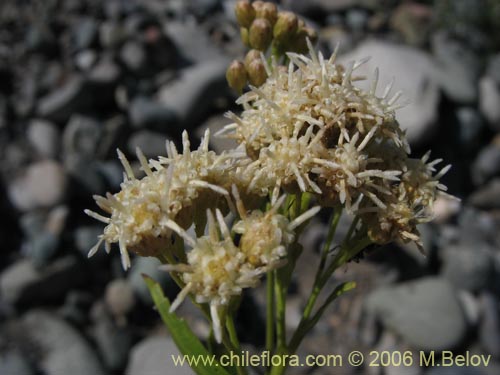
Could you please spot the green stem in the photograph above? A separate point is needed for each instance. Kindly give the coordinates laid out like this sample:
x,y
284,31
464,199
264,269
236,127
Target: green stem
x,y
324,254
231,329
280,296
270,312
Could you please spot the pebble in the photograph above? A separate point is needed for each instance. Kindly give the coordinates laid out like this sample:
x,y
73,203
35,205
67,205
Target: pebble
x,y
12,362
425,312
153,355
86,238
113,341
490,324
21,284
148,113
119,297
149,266
192,41
72,97
81,137
44,137
467,267
191,95
151,143
416,71
43,184
489,97
214,124
487,197
133,56
459,68
64,350
84,33
486,165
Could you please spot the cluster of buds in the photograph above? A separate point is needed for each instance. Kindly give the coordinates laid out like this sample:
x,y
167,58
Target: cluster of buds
x,y
262,26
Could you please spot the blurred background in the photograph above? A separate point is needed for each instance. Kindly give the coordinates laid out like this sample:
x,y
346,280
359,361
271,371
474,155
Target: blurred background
x,y
79,78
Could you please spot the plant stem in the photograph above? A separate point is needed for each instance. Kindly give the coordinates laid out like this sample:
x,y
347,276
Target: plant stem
x,y
280,295
270,312
231,329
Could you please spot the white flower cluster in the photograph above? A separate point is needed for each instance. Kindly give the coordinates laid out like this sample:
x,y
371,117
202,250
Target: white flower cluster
x,y
308,128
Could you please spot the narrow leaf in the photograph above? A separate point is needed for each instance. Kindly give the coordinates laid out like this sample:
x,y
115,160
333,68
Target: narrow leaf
x,y
184,338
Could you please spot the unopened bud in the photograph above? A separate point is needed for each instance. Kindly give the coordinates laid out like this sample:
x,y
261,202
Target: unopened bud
x,y
245,36
245,13
299,44
236,76
260,34
257,74
252,55
269,11
285,26
257,5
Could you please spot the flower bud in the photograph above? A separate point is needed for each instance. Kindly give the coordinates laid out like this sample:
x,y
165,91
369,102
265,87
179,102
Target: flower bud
x,y
299,44
236,75
257,74
244,36
252,55
257,5
245,13
260,34
269,11
285,27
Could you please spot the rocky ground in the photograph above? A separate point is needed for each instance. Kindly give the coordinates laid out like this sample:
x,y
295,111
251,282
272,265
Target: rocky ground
x,y
80,78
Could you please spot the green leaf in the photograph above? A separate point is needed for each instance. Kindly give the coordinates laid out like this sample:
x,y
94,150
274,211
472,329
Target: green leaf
x,y
184,338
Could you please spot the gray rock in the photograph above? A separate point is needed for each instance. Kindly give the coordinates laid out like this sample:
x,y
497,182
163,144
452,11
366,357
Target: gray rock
x,y
490,324
493,68
113,173
119,297
356,19
114,342
111,34
486,165
84,33
192,41
73,96
192,95
84,60
104,74
416,72
22,284
214,124
322,6
42,248
467,267
459,68
86,238
64,350
133,56
145,112
455,370
44,137
425,312
470,128
151,143
13,363
147,266
81,137
489,97
43,184
487,196
153,356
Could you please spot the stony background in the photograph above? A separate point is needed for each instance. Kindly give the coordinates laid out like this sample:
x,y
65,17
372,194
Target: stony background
x,y
79,78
